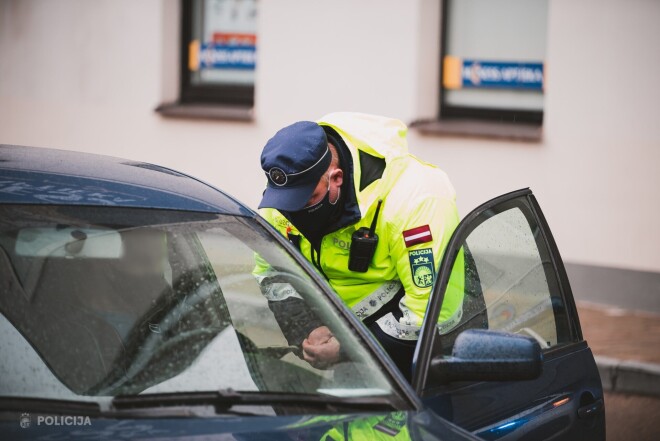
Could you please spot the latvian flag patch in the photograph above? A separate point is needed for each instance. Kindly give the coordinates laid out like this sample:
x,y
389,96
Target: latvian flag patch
x,y
417,235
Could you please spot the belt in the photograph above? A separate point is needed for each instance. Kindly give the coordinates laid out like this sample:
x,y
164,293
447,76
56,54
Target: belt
x,y
383,300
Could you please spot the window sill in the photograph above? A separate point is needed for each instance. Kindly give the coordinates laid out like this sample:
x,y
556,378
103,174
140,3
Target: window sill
x,y
480,129
206,111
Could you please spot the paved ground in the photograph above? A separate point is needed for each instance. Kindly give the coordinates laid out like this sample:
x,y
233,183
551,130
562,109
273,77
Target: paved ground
x,y
627,336
621,334
632,417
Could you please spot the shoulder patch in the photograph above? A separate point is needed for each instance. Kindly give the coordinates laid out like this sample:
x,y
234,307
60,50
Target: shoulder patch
x,y
422,267
417,235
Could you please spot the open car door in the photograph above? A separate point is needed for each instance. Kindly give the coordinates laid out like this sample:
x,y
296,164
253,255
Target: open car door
x,y
515,282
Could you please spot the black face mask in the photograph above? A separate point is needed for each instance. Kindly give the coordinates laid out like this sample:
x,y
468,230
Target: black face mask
x,y
311,221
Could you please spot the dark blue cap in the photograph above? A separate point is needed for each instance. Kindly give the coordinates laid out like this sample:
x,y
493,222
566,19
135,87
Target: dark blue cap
x,y
294,160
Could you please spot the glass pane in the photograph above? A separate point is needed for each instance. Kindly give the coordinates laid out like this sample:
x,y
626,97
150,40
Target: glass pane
x,y
223,47
494,53
510,283
100,301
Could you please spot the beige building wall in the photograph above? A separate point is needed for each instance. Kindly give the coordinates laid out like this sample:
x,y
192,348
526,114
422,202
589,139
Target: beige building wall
x,y
87,75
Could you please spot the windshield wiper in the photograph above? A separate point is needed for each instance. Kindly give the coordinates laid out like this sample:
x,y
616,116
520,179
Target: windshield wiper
x,y
95,409
224,399
180,404
49,405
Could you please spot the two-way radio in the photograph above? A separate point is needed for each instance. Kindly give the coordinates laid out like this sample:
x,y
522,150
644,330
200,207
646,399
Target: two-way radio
x,y
363,245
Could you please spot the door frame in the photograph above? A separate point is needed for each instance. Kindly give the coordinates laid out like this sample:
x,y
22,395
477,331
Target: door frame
x,y
428,334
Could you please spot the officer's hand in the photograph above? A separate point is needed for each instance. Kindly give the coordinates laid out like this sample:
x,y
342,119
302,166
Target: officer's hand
x,y
321,348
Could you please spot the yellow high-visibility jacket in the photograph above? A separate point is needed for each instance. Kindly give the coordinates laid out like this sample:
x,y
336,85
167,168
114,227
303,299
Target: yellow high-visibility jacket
x,y
391,427
416,197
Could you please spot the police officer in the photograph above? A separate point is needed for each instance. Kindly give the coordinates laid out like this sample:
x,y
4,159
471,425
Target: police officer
x,y
372,218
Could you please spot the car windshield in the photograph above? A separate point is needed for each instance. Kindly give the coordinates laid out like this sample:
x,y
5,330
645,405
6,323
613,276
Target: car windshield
x,y
106,301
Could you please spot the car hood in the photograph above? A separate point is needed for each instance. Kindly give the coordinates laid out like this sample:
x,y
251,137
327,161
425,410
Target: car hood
x,y
386,426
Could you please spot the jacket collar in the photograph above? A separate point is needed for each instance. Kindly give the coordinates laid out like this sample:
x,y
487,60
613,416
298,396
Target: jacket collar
x,y
377,136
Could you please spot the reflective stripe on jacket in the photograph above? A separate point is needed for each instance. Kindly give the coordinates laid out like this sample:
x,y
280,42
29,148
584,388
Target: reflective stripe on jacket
x,y
416,197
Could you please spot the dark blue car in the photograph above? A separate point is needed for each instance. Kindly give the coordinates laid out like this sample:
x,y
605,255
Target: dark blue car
x,y
131,308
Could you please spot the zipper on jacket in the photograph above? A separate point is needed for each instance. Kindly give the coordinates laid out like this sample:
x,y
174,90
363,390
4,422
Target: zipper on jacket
x,y
317,261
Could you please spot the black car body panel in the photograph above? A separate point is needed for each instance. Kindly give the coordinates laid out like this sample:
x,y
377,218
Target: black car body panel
x,y
45,176
564,402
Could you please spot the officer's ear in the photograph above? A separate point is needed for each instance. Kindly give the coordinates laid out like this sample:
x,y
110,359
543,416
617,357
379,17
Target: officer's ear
x,y
337,177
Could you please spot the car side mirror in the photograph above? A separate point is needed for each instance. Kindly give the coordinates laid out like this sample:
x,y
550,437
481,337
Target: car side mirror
x,y
485,355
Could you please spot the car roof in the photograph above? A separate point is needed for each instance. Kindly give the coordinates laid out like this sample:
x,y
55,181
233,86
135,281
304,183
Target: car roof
x,y
32,175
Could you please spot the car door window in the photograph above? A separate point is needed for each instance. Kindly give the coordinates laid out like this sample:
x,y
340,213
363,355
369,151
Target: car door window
x,y
513,278
510,281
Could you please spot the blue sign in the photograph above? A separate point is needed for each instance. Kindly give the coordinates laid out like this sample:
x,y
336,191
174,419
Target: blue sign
x,y
493,74
221,56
